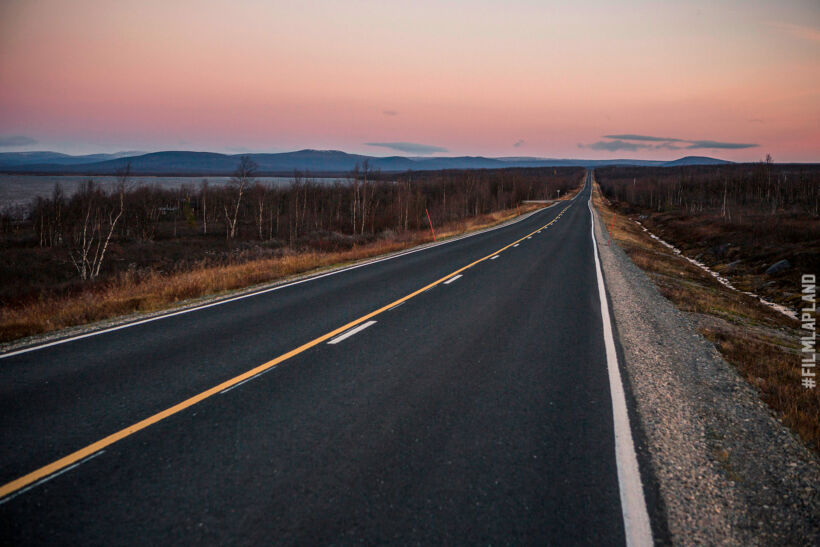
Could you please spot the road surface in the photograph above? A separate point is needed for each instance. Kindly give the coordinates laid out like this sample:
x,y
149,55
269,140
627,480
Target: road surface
x,y
456,394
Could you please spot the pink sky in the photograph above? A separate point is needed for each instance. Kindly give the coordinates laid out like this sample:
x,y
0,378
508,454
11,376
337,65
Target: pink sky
x,y
471,77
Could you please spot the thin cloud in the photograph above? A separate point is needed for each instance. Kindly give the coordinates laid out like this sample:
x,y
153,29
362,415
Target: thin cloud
x,y
630,137
17,140
390,113
616,145
799,31
667,146
722,145
409,147
631,142
519,143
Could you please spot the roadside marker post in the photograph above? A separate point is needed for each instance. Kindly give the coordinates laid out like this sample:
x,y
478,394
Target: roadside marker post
x,y
611,227
431,223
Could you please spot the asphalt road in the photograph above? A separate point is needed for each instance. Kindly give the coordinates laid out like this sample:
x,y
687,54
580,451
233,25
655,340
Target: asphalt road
x,y
476,411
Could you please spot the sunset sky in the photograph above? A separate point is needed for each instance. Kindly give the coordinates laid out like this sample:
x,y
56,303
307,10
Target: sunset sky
x,y
655,80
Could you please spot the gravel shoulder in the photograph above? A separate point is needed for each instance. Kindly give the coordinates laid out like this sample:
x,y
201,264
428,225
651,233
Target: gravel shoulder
x,y
721,469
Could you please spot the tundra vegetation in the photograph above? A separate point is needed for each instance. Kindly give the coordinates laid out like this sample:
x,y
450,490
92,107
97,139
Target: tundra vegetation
x,y
755,224
108,251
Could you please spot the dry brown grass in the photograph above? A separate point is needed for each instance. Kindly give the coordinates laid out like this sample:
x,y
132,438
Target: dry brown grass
x,y
775,372
155,291
759,342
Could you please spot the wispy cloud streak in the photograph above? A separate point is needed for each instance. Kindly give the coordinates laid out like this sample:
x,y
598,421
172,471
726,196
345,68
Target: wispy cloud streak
x,y
409,147
721,145
631,142
17,140
799,31
616,145
631,137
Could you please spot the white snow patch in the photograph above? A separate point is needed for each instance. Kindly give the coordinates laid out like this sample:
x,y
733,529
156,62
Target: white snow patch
x,y
722,280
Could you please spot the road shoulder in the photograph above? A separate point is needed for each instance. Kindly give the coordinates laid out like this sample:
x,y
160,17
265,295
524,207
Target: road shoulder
x,y
723,469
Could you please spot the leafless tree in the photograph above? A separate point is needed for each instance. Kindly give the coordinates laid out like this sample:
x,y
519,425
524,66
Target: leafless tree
x,y
48,217
243,177
203,191
99,219
259,193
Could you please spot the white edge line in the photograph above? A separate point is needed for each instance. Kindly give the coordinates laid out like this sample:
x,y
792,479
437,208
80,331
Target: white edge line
x,y
270,289
351,332
52,476
633,505
397,305
451,280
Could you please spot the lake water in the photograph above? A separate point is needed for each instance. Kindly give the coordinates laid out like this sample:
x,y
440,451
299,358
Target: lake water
x,y
18,190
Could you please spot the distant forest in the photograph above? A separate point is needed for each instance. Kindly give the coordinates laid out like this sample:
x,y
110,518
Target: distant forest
x,y
740,220
83,228
731,191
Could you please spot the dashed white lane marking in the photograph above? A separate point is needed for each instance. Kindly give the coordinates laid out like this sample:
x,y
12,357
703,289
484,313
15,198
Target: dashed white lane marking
x,y
237,385
351,332
396,306
452,279
52,476
245,381
633,504
77,458
516,245
493,257
271,289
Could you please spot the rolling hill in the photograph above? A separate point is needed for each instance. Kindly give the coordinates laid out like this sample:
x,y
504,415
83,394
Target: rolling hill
x,y
185,163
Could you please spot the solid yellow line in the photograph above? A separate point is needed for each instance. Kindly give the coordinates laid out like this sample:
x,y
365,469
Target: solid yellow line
x,y
74,457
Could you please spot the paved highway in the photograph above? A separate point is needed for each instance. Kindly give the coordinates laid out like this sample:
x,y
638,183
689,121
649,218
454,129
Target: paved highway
x,y
463,393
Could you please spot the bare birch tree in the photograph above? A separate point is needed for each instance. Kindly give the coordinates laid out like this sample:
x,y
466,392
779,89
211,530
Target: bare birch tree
x,y
243,177
203,192
91,237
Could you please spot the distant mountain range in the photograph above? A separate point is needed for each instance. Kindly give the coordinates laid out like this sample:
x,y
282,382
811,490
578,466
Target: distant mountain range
x,y
56,158
183,163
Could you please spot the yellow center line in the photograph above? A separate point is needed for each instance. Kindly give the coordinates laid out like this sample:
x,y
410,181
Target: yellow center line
x,y
74,457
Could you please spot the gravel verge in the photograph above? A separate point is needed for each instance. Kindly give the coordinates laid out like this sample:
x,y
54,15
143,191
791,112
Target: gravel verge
x,y
721,469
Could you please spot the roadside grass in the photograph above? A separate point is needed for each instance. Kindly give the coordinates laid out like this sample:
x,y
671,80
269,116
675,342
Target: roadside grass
x,y
134,292
762,344
743,250
773,371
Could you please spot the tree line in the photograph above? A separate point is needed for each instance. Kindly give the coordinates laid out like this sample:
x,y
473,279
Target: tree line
x,y
728,190
364,204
